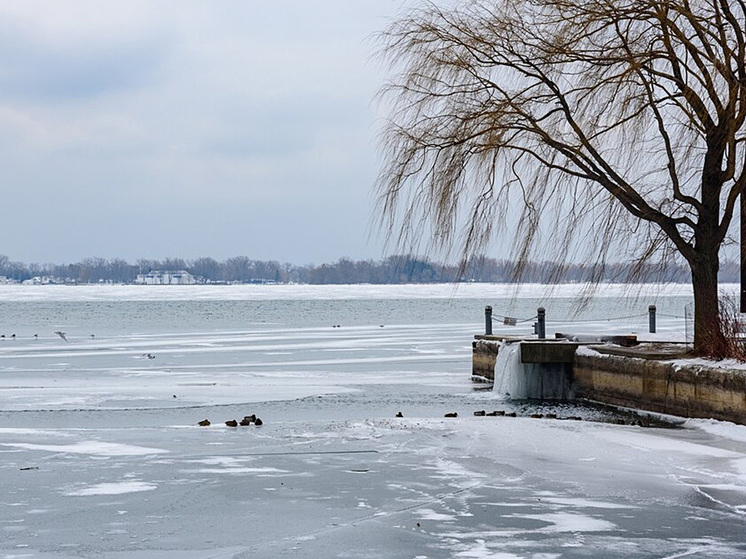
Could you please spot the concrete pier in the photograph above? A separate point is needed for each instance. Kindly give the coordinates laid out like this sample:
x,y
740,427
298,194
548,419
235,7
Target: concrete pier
x,y
701,390
646,377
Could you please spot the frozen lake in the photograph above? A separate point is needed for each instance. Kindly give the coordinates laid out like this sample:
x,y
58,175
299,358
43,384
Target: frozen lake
x,y
102,456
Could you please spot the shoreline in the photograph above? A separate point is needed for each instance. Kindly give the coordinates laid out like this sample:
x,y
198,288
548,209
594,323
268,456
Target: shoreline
x,y
641,377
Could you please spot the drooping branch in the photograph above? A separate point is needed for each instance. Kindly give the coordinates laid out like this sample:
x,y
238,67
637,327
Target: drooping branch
x,y
484,79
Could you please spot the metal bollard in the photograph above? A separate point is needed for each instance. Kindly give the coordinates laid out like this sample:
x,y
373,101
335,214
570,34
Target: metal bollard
x,y
651,318
487,320
541,323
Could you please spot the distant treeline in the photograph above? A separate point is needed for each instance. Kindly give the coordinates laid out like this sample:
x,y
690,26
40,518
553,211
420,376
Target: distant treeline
x,y
392,270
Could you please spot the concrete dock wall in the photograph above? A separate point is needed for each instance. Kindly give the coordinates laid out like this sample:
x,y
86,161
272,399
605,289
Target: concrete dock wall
x,y
483,358
661,386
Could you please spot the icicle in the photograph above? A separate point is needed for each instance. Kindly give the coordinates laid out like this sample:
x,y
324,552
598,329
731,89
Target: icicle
x,y
519,381
508,370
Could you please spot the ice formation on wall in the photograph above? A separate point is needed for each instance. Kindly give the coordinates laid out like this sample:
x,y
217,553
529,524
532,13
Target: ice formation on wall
x,y
520,381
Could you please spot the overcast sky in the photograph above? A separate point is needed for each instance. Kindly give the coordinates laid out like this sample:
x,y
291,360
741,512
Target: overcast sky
x,y
177,128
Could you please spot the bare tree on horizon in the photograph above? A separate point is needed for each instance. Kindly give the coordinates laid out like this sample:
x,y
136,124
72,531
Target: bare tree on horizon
x,y
601,126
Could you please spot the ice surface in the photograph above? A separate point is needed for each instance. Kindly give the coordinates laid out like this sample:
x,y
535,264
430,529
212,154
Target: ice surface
x,y
114,488
88,293
570,522
102,456
91,447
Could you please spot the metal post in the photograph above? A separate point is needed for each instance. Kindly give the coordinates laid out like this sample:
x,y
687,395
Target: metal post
x,y
488,320
651,318
541,324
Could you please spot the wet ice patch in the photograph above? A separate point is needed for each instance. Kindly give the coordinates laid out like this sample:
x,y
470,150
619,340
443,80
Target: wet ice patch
x,y
722,429
117,488
647,442
32,432
730,496
94,448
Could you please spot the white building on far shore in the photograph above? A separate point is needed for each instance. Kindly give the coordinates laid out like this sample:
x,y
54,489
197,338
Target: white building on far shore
x,y
166,277
38,280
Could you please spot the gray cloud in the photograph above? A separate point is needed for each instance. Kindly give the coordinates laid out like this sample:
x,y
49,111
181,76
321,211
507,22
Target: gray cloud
x,y
37,68
152,129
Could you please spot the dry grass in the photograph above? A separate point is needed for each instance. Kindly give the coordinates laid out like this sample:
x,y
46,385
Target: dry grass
x,y
732,325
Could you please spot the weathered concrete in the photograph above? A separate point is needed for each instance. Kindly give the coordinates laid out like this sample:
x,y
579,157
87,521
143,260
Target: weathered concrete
x,y
660,351
483,358
548,352
661,386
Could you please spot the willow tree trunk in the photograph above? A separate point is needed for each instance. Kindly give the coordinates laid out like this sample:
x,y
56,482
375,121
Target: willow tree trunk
x,y
708,332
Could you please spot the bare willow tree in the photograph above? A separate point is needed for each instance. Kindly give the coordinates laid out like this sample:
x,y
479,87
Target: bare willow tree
x,y
620,122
